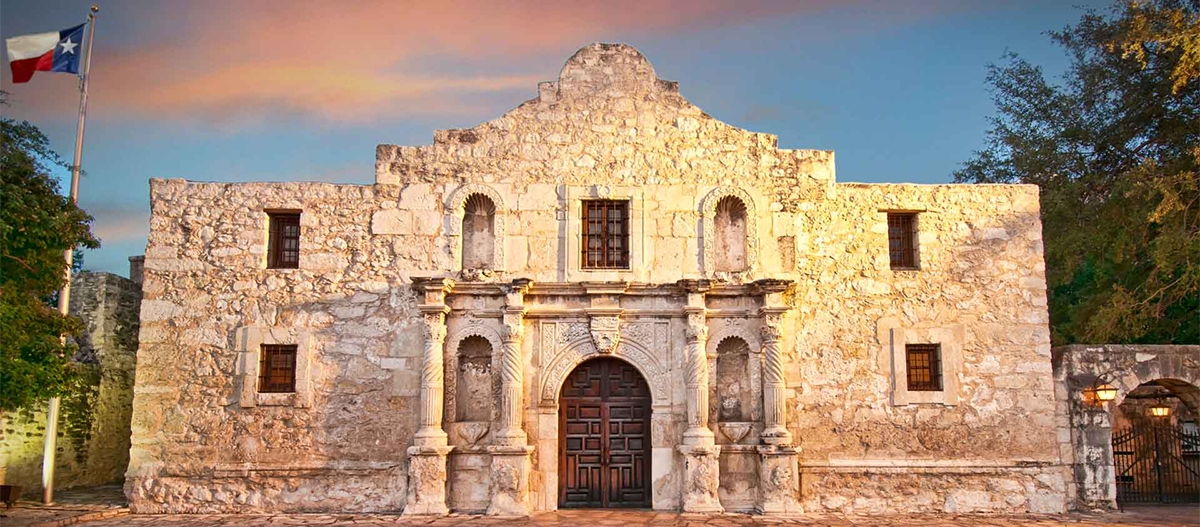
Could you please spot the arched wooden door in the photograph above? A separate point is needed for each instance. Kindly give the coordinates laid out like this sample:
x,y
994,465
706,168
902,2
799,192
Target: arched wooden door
x,y
604,436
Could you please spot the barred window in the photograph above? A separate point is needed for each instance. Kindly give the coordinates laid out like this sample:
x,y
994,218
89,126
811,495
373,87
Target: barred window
x,y
283,247
277,368
605,234
902,239
924,367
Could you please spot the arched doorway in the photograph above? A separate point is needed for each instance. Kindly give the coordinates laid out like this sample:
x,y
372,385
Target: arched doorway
x,y
604,436
1156,446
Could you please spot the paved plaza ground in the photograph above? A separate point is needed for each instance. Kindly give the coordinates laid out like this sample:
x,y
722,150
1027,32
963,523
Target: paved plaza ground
x,y
1159,517
104,507
1143,517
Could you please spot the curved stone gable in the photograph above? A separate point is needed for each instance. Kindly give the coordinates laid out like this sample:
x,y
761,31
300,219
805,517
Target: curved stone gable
x,y
608,117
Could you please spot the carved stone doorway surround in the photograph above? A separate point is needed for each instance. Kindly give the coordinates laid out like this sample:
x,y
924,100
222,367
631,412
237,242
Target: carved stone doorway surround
x,y
566,338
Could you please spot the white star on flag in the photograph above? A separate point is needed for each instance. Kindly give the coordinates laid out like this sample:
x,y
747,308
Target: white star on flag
x,y
68,46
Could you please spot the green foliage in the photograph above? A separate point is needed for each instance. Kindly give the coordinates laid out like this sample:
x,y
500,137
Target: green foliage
x,y
1114,149
37,224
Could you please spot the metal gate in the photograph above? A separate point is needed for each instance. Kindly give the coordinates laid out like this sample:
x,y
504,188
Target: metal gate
x,y
1157,463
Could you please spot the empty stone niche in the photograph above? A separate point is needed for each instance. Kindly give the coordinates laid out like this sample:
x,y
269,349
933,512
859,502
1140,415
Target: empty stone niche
x,y
738,488
469,464
730,224
473,381
478,232
734,393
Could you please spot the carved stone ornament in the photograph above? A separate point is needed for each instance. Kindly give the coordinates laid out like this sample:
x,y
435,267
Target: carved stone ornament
x,y
476,275
606,333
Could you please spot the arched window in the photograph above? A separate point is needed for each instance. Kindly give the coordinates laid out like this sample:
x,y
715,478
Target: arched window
x,y
473,386
734,392
478,232
730,224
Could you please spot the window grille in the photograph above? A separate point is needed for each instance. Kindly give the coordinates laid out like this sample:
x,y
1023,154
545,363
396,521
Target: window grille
x,y
283,250
902,239
605,241
277,368
924,367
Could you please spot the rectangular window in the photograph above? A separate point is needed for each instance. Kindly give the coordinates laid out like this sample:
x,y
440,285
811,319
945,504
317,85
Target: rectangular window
x,y
924,367
283,247
277,368
902,239
605,230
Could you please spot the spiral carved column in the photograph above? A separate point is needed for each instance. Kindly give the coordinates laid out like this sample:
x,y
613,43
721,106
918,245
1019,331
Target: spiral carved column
x,y
701,456
511,385
433,381
696,380
427,456
774,394
779,474
510,451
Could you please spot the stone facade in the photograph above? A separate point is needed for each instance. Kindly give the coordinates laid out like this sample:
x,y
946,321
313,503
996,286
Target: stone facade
x,y
744,260
93,442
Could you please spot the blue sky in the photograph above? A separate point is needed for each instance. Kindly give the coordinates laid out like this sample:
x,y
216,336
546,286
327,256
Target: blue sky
x,y
282,91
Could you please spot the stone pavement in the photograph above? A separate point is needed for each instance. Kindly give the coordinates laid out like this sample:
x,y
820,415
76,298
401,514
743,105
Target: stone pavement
x,y
72,506
1143,517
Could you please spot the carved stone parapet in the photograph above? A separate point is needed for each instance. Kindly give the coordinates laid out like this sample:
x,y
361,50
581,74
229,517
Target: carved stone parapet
x,y
427,481
701,479
510,480
778,481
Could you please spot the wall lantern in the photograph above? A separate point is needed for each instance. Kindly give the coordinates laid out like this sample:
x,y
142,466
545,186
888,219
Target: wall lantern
x,y
1101,393
1106,393
1160,410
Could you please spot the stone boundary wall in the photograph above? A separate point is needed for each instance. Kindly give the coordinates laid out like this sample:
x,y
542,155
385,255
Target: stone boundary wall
x,y
1085,432
93,442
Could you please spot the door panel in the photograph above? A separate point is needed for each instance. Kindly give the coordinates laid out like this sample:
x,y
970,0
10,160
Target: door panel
x,y
604,424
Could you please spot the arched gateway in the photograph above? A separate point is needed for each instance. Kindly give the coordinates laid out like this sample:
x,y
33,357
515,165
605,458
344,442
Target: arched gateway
x,y
604,436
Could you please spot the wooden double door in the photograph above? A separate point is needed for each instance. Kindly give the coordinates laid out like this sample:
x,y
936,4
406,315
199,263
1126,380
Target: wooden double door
x,y
604,437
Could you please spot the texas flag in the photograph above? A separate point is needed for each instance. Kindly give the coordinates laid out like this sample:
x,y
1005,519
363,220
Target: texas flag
x,y
54,51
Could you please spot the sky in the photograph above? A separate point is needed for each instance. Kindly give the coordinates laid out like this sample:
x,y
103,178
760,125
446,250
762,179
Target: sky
x,y
304,91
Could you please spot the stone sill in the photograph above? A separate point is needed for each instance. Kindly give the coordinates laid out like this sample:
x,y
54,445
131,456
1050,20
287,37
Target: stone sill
x,y
275,399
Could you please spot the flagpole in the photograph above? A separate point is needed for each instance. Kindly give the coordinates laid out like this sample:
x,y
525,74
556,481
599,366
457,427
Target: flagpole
x,y
64,295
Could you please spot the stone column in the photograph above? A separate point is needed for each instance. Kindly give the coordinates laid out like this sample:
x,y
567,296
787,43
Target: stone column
x,y
696,379
779,473
700,454
510,450
774,391
427,456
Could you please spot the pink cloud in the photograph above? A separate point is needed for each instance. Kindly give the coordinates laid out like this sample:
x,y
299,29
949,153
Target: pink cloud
x,y
360,61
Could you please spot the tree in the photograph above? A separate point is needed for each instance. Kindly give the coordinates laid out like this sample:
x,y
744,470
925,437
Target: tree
x,y
1114,151
37,224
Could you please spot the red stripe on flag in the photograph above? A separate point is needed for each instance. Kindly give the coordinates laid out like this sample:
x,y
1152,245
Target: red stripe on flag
x,y
23,69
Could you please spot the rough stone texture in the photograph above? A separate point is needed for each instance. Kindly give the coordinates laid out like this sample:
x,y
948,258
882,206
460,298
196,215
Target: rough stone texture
x,y
1085,424
816,302
93,442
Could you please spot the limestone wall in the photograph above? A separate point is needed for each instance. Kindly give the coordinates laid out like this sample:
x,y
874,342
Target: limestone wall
x,y
608,128
93,442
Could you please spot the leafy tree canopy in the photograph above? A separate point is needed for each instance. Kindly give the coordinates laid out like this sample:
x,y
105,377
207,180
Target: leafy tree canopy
x,y
1114,149
37,224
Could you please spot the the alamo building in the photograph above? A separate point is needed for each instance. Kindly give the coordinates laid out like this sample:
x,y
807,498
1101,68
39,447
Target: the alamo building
x,y
603,298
